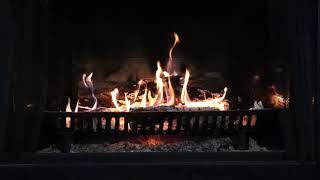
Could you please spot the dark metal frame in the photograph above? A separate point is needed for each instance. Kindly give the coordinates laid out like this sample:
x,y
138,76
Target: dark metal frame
x,y
233,123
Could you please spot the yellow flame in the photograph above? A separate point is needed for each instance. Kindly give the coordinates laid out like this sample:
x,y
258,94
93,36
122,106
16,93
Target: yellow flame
x,y
184,93
151,99
169,90
68,109
159,82
170,67
164,95
176,41
68,119
114,94
144,98
216,102
77,106
127,102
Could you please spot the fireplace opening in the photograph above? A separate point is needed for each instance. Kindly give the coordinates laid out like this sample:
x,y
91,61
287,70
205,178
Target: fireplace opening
x,y
210,83
228,90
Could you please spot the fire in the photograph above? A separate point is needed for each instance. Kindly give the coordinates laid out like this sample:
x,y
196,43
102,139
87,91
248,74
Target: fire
x,y
216,102
170,65
128,104
68,109
277,100
169,91
68,119
165,95
87,82
143,97
114,94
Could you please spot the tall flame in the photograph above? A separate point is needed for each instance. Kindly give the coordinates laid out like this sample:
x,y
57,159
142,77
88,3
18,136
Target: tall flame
x,y
114,94
144,98
68,119
170,65
157,100
89,84
77,107
184,93
68,109
169,91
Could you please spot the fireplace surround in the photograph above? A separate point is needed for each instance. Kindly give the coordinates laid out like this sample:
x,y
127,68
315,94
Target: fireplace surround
x,y
49,46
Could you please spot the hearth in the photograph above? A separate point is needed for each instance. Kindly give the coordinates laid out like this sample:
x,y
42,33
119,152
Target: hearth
x,y
212,94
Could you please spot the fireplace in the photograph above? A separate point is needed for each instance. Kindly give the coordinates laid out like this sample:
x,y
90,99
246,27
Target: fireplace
x,y
233,85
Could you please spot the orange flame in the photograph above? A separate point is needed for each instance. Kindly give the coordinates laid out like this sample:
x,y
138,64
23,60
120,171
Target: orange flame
x,y
277,100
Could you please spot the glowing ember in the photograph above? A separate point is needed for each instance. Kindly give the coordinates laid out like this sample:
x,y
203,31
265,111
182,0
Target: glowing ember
x,y
277,100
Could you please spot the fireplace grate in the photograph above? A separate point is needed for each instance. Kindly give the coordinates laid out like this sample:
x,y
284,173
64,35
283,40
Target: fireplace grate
x,y
241,123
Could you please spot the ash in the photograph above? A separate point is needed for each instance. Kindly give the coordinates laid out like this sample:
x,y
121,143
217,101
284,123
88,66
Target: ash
x,y
208,145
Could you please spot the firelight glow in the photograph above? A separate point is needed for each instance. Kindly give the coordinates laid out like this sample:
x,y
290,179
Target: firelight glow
x,y
163,96
163,84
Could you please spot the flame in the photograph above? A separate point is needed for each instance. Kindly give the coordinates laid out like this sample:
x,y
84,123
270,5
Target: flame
x,y
114,94
157,100
216,102
77,107
138,90
164,94
144,98
68,109
277,99
169,91
84,80
170,65
89,84
128,104
68,119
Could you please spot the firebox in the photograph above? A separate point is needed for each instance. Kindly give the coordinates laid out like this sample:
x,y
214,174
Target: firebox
x,y
234,86
210,86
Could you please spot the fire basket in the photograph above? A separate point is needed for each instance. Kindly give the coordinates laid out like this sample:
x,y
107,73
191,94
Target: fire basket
x,y
233,123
